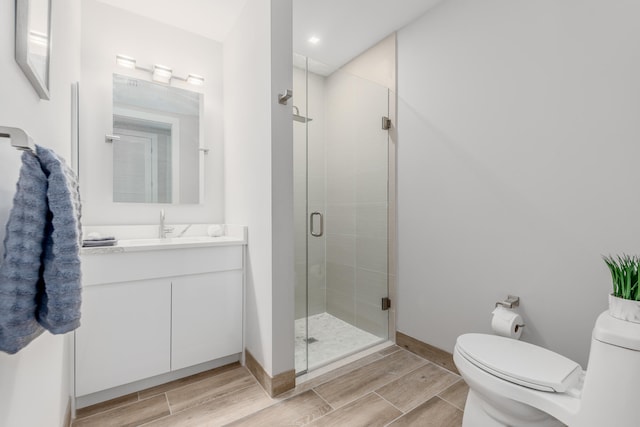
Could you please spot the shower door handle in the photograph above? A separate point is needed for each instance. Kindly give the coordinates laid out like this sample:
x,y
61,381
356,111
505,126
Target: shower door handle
x,y
312,225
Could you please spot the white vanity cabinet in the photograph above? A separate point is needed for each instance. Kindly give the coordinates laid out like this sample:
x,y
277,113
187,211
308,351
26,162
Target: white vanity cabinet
x,y
125,334
206,320
147,313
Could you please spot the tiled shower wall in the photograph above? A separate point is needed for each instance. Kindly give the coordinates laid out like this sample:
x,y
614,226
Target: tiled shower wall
x,y
356,219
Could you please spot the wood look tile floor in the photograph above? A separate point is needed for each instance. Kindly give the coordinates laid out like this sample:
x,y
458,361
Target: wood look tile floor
x,y
392,387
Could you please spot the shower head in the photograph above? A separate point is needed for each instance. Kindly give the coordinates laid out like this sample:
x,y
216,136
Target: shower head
x,y
301,119
298,118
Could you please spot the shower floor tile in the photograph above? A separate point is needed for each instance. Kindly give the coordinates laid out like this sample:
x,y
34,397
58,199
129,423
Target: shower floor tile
x,y
330,339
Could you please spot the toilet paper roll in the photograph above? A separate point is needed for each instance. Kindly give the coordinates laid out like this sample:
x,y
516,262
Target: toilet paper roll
x,y
506,323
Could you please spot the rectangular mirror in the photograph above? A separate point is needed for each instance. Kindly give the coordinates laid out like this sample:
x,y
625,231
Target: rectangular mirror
x,y
156,149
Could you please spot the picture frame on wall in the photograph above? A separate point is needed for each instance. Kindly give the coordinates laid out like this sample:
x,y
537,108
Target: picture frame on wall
x,y
33,42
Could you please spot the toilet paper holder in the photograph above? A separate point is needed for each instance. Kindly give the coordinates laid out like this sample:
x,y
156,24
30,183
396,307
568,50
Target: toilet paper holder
x,y
510,302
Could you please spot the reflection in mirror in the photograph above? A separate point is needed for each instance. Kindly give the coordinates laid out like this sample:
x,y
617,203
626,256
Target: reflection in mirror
x,y
157,157
39,38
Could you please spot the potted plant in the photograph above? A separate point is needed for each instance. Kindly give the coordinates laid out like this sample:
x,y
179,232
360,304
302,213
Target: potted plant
x,y
624,301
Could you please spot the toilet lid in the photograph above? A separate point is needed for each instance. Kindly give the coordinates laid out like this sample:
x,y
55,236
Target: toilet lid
x,y
520,362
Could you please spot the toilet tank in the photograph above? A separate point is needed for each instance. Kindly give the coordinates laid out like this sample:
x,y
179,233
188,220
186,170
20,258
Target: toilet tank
x,y
612,383
621,333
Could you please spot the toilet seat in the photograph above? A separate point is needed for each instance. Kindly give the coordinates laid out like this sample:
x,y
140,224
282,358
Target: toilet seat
x,y
520,363
506,394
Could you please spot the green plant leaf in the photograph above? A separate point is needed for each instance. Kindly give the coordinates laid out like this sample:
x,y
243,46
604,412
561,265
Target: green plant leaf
x,y
625,275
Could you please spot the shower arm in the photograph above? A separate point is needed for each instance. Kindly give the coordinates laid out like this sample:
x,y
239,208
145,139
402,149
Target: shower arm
x,y
297,117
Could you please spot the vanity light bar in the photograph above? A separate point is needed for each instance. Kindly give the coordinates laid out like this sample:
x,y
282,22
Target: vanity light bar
x,y
126,61
195,79
159,73
162,74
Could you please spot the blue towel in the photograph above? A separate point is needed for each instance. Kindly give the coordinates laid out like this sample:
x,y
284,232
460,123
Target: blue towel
x,y
20,269
40,285
60,286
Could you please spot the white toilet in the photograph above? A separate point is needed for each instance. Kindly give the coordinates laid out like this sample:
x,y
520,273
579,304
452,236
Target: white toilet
x,y
514,383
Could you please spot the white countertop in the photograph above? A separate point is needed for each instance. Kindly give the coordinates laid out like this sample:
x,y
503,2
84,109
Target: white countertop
x,y
234,235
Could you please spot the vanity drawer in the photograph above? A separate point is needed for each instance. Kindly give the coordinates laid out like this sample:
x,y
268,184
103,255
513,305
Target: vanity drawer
x,y
99,269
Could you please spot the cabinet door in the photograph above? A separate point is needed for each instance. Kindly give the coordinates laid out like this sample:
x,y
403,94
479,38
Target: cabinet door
x,y
124,336
206,317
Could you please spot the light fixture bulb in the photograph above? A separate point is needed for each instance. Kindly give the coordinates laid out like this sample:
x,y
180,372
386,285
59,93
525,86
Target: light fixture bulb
x,y
314,40
195,79
126,61
162,74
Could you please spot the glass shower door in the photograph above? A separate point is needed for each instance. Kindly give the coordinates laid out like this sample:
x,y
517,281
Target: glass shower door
x,y
356,231
341,210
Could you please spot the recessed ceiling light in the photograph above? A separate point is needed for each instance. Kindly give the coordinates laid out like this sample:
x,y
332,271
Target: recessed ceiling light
x,y
314,40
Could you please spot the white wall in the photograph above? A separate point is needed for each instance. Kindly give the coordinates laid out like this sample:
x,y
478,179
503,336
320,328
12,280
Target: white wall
x,y
259,173
282,188
106,32
35,382
376,64
518,165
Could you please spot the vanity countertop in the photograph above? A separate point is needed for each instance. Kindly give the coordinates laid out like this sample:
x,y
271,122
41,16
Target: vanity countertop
x,y
234,235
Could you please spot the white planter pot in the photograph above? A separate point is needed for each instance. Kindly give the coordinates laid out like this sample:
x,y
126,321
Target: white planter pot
x,y
624,309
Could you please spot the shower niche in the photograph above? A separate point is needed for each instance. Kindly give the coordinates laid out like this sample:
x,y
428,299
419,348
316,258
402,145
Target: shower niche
x,y
341,156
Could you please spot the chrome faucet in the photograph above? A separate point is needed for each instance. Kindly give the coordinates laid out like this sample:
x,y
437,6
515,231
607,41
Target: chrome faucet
x,y
163,229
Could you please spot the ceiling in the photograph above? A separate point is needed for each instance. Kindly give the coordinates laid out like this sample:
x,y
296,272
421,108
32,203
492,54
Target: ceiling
x,y
345,27
209,18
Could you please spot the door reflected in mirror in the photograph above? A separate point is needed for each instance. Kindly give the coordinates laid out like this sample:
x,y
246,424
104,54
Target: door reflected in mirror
x,y
157,156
